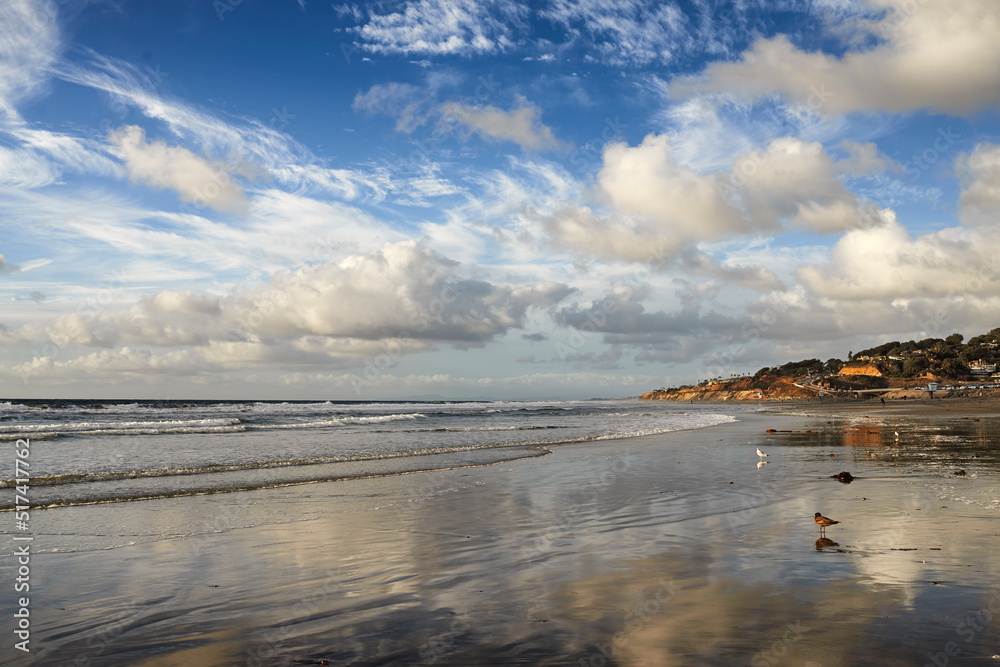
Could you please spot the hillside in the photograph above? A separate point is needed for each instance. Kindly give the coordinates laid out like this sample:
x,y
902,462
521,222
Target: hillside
x,y
892,365
768,387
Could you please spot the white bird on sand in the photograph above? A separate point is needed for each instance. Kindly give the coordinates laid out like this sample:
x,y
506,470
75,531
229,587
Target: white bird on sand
x,y
760,453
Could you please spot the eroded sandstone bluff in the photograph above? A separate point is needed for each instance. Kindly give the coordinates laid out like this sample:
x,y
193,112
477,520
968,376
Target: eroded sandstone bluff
x,y
766,388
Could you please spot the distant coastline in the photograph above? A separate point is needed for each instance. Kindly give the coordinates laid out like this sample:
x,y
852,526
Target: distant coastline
x,y
945,367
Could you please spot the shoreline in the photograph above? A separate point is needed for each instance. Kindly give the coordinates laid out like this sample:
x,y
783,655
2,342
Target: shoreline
x,y
979,405
674,548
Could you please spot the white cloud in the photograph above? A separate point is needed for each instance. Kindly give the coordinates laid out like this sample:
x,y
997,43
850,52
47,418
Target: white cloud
x,y
401,291
29,43
87,156
933,54
980,202
885,263
402,101
522,125
41,157
621,315
863,159
195,179
627,32
7,267
442,27
403,298
659,207
246,144
25,169
646,180
797,182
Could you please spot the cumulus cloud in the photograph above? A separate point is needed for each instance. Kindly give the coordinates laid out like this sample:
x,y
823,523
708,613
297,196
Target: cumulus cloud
x,y
609,237
980,201
29,42
863,158
647,180
403,297
442,27
933,54
795,181
657,336
659,207
165,319
195,179
403,290
749,277
884,262
522,125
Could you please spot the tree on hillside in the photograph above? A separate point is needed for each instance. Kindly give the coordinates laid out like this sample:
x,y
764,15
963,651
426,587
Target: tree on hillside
x,y
954,368
942,350
915,366
973,353
955,339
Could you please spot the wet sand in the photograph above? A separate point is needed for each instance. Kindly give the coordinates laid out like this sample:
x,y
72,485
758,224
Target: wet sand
x,y
945,406
674,549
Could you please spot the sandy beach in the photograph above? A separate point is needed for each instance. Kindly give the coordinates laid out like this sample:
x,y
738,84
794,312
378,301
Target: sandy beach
x,y
674,549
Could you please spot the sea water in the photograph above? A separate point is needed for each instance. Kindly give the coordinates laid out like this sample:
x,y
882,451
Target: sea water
x,y
86,452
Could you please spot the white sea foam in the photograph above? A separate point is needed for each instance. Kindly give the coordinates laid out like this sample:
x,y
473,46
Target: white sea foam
x,y
156,448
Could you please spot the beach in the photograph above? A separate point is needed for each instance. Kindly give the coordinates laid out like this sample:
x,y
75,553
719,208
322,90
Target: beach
x,y
676,548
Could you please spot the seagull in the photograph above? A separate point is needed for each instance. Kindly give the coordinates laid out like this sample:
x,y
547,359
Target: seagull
x,y
760,453
823,521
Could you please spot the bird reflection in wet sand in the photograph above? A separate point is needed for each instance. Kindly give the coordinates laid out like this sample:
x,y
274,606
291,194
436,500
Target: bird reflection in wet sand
x,y
823,522
761,464
825,542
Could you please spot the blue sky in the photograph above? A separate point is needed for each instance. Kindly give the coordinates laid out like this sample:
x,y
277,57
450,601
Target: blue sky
x,y
566,199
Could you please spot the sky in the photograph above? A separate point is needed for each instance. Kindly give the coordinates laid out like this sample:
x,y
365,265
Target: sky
x,y
432,199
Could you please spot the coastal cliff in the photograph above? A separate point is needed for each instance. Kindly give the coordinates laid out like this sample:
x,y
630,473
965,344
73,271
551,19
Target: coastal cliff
x,y
766,388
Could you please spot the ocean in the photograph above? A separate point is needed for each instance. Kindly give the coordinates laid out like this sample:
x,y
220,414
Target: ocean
x,y
85,452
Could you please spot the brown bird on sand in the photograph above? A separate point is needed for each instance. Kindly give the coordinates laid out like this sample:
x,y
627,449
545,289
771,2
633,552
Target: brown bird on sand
x,y
823,521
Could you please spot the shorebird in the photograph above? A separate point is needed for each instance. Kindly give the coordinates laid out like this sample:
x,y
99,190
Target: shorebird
x,y
760,453
823,521
825,542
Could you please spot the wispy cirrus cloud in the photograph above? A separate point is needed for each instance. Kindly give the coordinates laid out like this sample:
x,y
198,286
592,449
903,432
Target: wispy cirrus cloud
x,y
238,145
405,102
29,45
